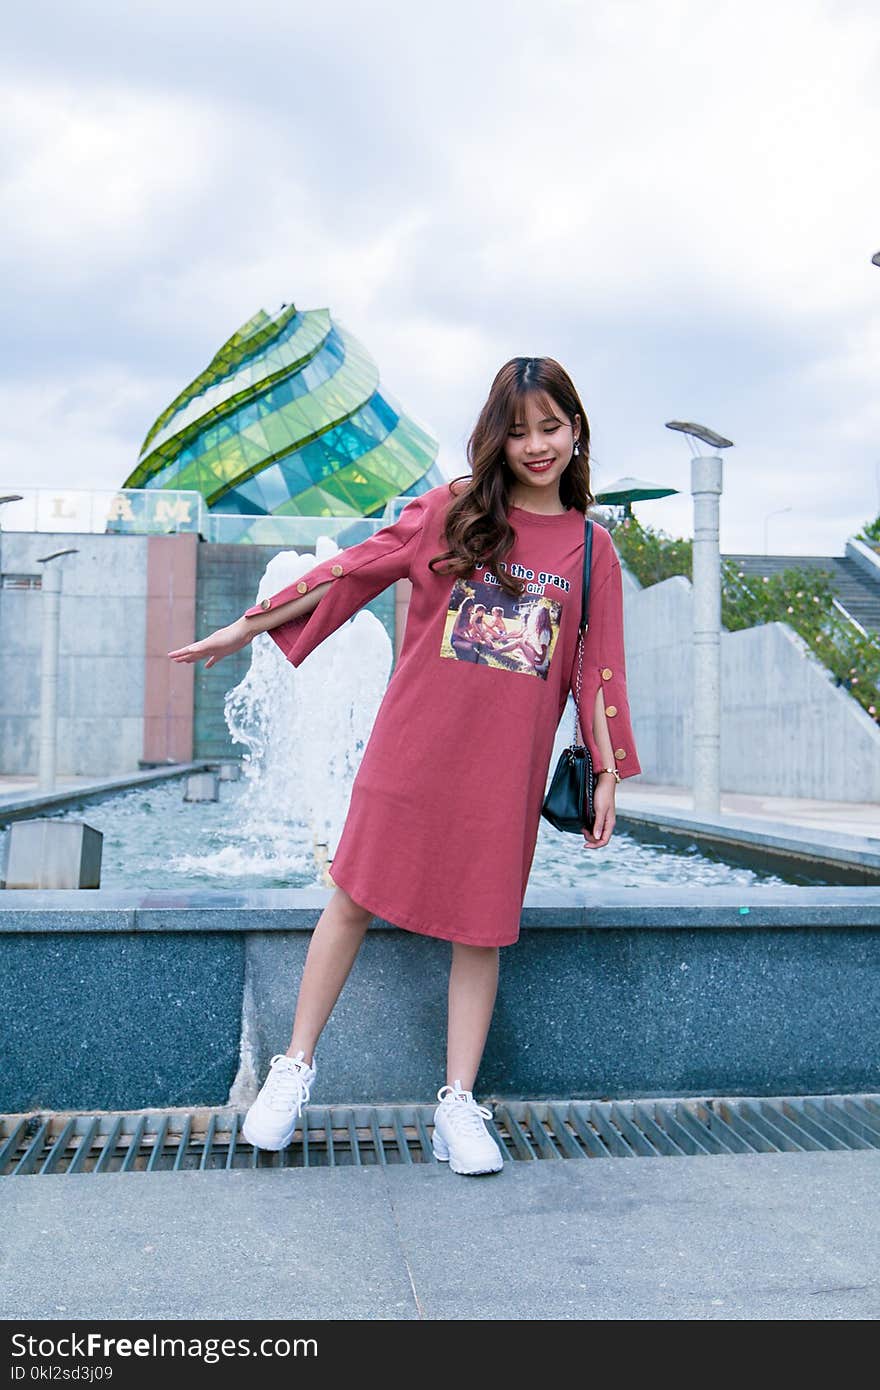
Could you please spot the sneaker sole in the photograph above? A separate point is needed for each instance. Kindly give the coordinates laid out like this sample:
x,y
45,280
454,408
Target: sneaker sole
x,y
251,1137
456,1168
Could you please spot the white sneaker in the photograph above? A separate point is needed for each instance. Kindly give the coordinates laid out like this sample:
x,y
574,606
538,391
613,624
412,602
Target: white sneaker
x,y
272,1119
460,1136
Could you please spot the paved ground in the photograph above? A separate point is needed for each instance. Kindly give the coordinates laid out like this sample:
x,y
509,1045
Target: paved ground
x,y
844,817
13,785
764,1236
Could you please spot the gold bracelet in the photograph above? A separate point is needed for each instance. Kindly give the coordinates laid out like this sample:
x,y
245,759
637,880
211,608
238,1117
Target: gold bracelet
x,y
613,770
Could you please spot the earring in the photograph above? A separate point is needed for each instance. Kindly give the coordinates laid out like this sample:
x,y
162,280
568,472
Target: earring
x,y
577,448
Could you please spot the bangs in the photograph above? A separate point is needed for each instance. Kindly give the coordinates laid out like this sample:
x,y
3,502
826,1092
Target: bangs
x,y
546,405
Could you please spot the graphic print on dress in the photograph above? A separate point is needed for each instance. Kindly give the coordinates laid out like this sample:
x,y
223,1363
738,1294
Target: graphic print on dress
x,y
486,626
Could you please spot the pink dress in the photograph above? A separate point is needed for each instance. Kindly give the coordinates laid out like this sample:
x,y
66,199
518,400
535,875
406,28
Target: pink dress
x,y
446,804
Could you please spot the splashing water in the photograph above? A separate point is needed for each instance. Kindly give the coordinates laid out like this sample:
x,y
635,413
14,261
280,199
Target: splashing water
x,y
306,727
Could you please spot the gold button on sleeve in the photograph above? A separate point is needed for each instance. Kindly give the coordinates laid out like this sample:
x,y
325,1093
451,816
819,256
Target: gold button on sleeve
x,y
302,586
620,752
611,709
607,673
265,603
337,570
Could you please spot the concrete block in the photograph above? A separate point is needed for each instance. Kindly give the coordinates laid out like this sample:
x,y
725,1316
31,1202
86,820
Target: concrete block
x,y
202,786
52,854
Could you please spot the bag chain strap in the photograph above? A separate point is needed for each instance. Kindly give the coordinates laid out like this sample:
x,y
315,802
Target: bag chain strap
x,y
577,694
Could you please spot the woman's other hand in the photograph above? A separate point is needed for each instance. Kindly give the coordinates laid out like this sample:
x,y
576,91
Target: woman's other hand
x,y
605,817
213,648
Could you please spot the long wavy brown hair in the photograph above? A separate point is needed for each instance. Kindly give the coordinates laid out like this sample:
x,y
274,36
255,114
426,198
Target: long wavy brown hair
x,y
478,531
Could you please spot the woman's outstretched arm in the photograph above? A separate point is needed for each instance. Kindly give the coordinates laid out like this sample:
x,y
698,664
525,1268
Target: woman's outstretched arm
x,y
354,576
232,638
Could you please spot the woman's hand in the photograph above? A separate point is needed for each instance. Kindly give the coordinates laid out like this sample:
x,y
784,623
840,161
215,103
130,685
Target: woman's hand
x,y
212,649
603,804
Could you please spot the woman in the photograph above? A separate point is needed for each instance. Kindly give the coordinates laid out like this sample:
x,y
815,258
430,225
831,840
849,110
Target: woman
x,y
464,638
518,515
533,643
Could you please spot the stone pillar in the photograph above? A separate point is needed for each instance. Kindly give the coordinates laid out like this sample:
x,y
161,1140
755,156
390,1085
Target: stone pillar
x,y
706,486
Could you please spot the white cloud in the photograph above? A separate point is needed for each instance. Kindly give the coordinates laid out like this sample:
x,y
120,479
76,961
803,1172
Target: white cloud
x,y
78,433
678,201
99,178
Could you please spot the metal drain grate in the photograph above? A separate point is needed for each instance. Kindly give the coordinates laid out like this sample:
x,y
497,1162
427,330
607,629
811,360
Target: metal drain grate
x,y
177,1140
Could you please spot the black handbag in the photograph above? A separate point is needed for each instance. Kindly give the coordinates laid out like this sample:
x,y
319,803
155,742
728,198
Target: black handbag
x,y
568,804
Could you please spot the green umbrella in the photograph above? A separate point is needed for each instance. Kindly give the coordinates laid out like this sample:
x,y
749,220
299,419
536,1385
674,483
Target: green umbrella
x,y
628,490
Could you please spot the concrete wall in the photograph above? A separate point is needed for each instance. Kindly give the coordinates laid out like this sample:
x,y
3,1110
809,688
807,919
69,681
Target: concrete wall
x,y
786,728
126,601
101,672
642,992
228,578
170,623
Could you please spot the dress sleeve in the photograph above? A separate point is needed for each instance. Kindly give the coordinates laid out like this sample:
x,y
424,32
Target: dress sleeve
x,y
604,667
358,575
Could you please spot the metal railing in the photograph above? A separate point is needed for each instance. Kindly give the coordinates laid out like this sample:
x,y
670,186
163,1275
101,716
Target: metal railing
x,y
98,511
154,511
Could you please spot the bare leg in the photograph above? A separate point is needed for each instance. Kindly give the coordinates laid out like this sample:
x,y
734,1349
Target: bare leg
x,y
473,984
335,943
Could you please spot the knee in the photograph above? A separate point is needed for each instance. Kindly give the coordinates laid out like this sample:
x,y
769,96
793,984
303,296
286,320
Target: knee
x,y
350,912
464,948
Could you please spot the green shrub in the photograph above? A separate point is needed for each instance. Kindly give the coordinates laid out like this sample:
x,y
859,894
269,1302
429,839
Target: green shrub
x,y
871,534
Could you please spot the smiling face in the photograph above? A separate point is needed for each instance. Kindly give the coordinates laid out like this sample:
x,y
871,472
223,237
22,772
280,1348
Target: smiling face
x,y
538,450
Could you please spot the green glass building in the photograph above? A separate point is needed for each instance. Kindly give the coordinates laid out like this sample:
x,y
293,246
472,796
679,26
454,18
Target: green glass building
x,y
289,420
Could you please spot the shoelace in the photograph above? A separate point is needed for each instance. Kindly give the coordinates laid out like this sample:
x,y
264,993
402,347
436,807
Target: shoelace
x,y
286,1084
464,1111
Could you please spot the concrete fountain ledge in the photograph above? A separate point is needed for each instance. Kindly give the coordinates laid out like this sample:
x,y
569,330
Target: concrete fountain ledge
x,y
18,803
298,909
114,999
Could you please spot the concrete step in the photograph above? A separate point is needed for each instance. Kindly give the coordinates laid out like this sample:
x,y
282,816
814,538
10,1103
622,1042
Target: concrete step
x,y
851,586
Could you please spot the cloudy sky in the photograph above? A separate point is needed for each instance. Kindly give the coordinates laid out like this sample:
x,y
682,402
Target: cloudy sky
x,y
679,200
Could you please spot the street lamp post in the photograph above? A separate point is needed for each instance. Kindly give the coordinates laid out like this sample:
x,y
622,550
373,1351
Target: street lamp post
x,y
51,606
706,487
